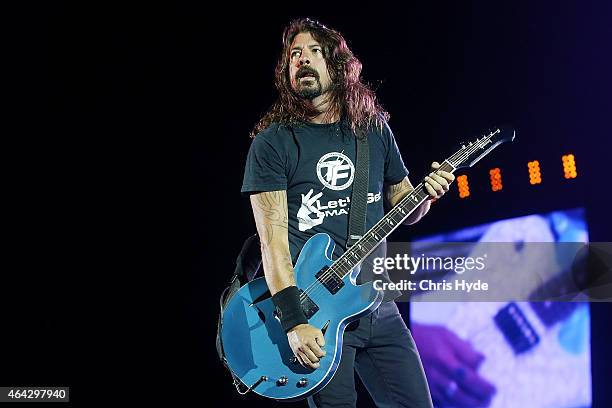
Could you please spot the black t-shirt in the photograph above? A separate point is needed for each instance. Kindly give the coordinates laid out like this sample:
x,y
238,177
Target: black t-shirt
x,y
315,163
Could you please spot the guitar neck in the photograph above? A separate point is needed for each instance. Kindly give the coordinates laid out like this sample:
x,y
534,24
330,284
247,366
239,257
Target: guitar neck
x,y
383,228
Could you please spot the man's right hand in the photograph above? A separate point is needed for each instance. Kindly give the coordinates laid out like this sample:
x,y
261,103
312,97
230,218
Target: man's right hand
x,y
307,341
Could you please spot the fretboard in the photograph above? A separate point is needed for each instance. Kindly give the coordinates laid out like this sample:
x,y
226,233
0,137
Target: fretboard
x,y
383,228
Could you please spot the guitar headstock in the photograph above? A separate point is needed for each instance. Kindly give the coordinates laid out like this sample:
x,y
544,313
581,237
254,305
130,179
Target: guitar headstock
x,y
470,153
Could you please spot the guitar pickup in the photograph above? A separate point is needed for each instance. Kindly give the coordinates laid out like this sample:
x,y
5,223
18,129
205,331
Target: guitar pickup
x,y
516,328
332,282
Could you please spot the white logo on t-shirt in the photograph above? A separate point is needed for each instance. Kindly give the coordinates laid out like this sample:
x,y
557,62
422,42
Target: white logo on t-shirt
x,y
335,170
312,211
307,209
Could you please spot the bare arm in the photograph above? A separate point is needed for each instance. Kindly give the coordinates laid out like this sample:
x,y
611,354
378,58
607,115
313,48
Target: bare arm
x,y
270,212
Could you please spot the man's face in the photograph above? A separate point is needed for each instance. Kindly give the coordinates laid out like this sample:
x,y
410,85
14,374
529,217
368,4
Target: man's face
x,y
308,70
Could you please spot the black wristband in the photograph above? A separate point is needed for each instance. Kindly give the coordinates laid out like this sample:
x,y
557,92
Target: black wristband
x,y
288,304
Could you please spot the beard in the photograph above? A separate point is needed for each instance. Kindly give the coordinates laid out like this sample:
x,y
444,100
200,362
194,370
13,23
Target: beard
x,y
309,89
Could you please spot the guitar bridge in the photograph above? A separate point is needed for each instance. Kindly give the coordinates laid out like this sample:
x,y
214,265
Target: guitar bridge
x,y
309,307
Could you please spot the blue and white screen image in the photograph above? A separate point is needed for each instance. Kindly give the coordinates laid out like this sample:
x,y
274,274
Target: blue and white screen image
x,y
508,354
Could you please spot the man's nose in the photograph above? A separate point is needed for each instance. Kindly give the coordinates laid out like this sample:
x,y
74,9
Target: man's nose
x,y
304,60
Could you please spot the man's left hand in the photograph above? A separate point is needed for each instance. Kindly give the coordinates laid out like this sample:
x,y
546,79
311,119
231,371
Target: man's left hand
x,y
438,181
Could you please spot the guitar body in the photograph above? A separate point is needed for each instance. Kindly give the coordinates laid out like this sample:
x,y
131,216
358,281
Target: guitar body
x,y
256,345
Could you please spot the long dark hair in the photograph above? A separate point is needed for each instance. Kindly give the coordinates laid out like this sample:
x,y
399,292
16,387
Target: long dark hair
x,y
350,99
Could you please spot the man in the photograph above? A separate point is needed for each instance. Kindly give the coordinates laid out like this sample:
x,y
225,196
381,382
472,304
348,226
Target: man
x,y
299,176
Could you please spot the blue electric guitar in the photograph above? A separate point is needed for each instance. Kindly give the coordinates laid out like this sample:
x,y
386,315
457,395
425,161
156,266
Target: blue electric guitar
x,y
256,348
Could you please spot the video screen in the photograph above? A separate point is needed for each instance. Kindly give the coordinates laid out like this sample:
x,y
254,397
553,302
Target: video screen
x,y
515,353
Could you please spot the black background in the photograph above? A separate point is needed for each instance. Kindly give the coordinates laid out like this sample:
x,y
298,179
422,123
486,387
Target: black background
x,y
123,177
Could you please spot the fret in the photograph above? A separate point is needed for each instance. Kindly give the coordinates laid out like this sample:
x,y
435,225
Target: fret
x,y
464,157
383,228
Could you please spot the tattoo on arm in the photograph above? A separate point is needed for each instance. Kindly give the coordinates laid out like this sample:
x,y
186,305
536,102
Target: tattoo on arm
x,y
270,211
271,217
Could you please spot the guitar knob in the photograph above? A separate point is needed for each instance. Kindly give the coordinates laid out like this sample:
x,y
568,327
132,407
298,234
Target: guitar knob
x,y
303,382
282,381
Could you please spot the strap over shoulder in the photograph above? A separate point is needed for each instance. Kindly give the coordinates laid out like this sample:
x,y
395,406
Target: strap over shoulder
x,y
359,196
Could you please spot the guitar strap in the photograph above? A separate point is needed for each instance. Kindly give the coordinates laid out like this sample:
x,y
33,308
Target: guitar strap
x,y
359,196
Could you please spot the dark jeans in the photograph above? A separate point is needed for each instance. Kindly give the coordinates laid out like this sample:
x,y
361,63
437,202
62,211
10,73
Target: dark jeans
x,y
381,349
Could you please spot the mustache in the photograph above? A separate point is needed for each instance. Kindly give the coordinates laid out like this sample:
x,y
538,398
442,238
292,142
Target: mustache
x,y
305,70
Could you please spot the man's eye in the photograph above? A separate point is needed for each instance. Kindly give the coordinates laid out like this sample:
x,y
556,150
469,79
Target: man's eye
x,y
295,54
317,50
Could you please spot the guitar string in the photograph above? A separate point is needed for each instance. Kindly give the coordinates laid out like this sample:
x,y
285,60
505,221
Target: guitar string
x,y
376,229
327,276
462,156
337,265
